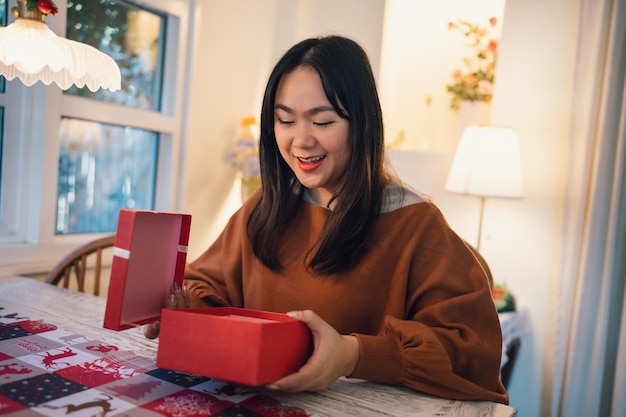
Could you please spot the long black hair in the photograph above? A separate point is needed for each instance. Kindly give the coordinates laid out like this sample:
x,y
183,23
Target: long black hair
x,y
349,85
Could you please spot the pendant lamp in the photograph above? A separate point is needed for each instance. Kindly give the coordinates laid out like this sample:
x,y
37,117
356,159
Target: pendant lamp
x,y
31,51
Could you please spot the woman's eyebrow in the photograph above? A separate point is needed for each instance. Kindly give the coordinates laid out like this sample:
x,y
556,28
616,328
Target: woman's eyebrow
x,y
283,107
312,112
321,109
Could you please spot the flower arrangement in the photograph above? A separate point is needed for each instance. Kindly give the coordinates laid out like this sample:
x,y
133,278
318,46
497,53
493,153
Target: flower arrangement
x,y
44,6
474,82
244,155
502,297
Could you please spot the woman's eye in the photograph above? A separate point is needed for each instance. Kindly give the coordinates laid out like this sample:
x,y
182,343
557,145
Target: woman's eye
x,y
324,123
283,121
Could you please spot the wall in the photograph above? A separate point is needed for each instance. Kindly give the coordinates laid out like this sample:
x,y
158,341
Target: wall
x,y
239,42
232,55
534,96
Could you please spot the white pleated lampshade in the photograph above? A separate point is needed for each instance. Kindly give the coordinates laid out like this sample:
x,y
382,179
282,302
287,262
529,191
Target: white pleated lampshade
x,y
32,52
486,163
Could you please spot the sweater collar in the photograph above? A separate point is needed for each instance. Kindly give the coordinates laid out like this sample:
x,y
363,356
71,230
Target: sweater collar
x,y
395,197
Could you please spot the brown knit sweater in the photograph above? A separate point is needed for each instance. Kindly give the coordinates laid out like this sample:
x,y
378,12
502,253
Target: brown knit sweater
x,y
419,302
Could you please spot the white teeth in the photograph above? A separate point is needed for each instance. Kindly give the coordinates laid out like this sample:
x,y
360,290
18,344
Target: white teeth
x,y
313,159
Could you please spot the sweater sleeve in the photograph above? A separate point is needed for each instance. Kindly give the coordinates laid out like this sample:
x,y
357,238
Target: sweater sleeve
x,y
206,284
449,342
214,278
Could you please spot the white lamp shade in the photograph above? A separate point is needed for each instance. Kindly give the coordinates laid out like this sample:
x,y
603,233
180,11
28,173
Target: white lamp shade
x,y
486,163
32,52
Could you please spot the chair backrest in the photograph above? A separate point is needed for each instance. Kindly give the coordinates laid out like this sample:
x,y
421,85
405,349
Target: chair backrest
x,y
82,262
482,263
512,351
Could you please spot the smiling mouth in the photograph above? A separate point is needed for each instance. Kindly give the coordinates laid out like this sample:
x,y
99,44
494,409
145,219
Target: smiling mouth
x,y
309,164
311,160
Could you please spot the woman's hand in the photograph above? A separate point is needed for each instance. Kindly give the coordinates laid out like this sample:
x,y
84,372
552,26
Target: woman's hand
x,y
333,356
179,298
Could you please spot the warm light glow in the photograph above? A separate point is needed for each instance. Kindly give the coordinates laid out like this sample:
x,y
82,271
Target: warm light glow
x,y
486,163
417,58
32,52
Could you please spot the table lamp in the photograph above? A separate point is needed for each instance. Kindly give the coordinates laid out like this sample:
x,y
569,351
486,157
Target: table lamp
x,y
486,164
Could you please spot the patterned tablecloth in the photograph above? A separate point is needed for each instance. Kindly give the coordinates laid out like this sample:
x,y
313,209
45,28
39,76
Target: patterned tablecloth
x,y
48,371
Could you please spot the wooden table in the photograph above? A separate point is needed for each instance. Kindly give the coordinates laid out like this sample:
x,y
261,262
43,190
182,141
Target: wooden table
x,y
83,314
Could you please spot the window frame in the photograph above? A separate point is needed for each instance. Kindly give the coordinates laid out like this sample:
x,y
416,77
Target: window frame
x,y
28,243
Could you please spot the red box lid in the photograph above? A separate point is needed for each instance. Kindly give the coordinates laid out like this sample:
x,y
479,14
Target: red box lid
x,y
149,255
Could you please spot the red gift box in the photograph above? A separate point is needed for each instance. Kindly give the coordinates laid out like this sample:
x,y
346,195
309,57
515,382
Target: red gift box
x,y
232,344
149,255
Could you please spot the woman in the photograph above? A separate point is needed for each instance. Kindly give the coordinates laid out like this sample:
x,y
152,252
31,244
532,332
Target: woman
x,y
390,293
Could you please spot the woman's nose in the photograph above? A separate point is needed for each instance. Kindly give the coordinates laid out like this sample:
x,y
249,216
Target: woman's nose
x,y
303,136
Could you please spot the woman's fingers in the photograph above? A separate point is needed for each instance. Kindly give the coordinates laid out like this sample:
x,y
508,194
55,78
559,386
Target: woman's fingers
x,y
333,356
179,298
151,331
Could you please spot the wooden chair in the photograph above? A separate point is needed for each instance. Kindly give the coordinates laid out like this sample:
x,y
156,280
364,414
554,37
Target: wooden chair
x,y
512,350
84,261
482,263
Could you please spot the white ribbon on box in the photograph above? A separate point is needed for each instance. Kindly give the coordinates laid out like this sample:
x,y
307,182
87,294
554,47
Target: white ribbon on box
x,y
125,253
121,253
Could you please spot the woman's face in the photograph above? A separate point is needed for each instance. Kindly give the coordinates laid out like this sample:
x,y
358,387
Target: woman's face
x,y
311,136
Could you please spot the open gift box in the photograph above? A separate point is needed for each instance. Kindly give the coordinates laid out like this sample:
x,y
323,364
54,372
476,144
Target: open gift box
x,y
232,344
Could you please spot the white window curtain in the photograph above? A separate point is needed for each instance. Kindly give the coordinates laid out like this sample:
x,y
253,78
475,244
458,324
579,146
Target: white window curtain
x,y
589,377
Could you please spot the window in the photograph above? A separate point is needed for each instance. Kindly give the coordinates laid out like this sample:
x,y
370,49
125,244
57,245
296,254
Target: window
x,y
3,22
133,36
71,159
6,193
103,167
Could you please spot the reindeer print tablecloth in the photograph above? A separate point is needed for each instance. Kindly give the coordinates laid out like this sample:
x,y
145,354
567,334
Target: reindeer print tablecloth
x,y
48,371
